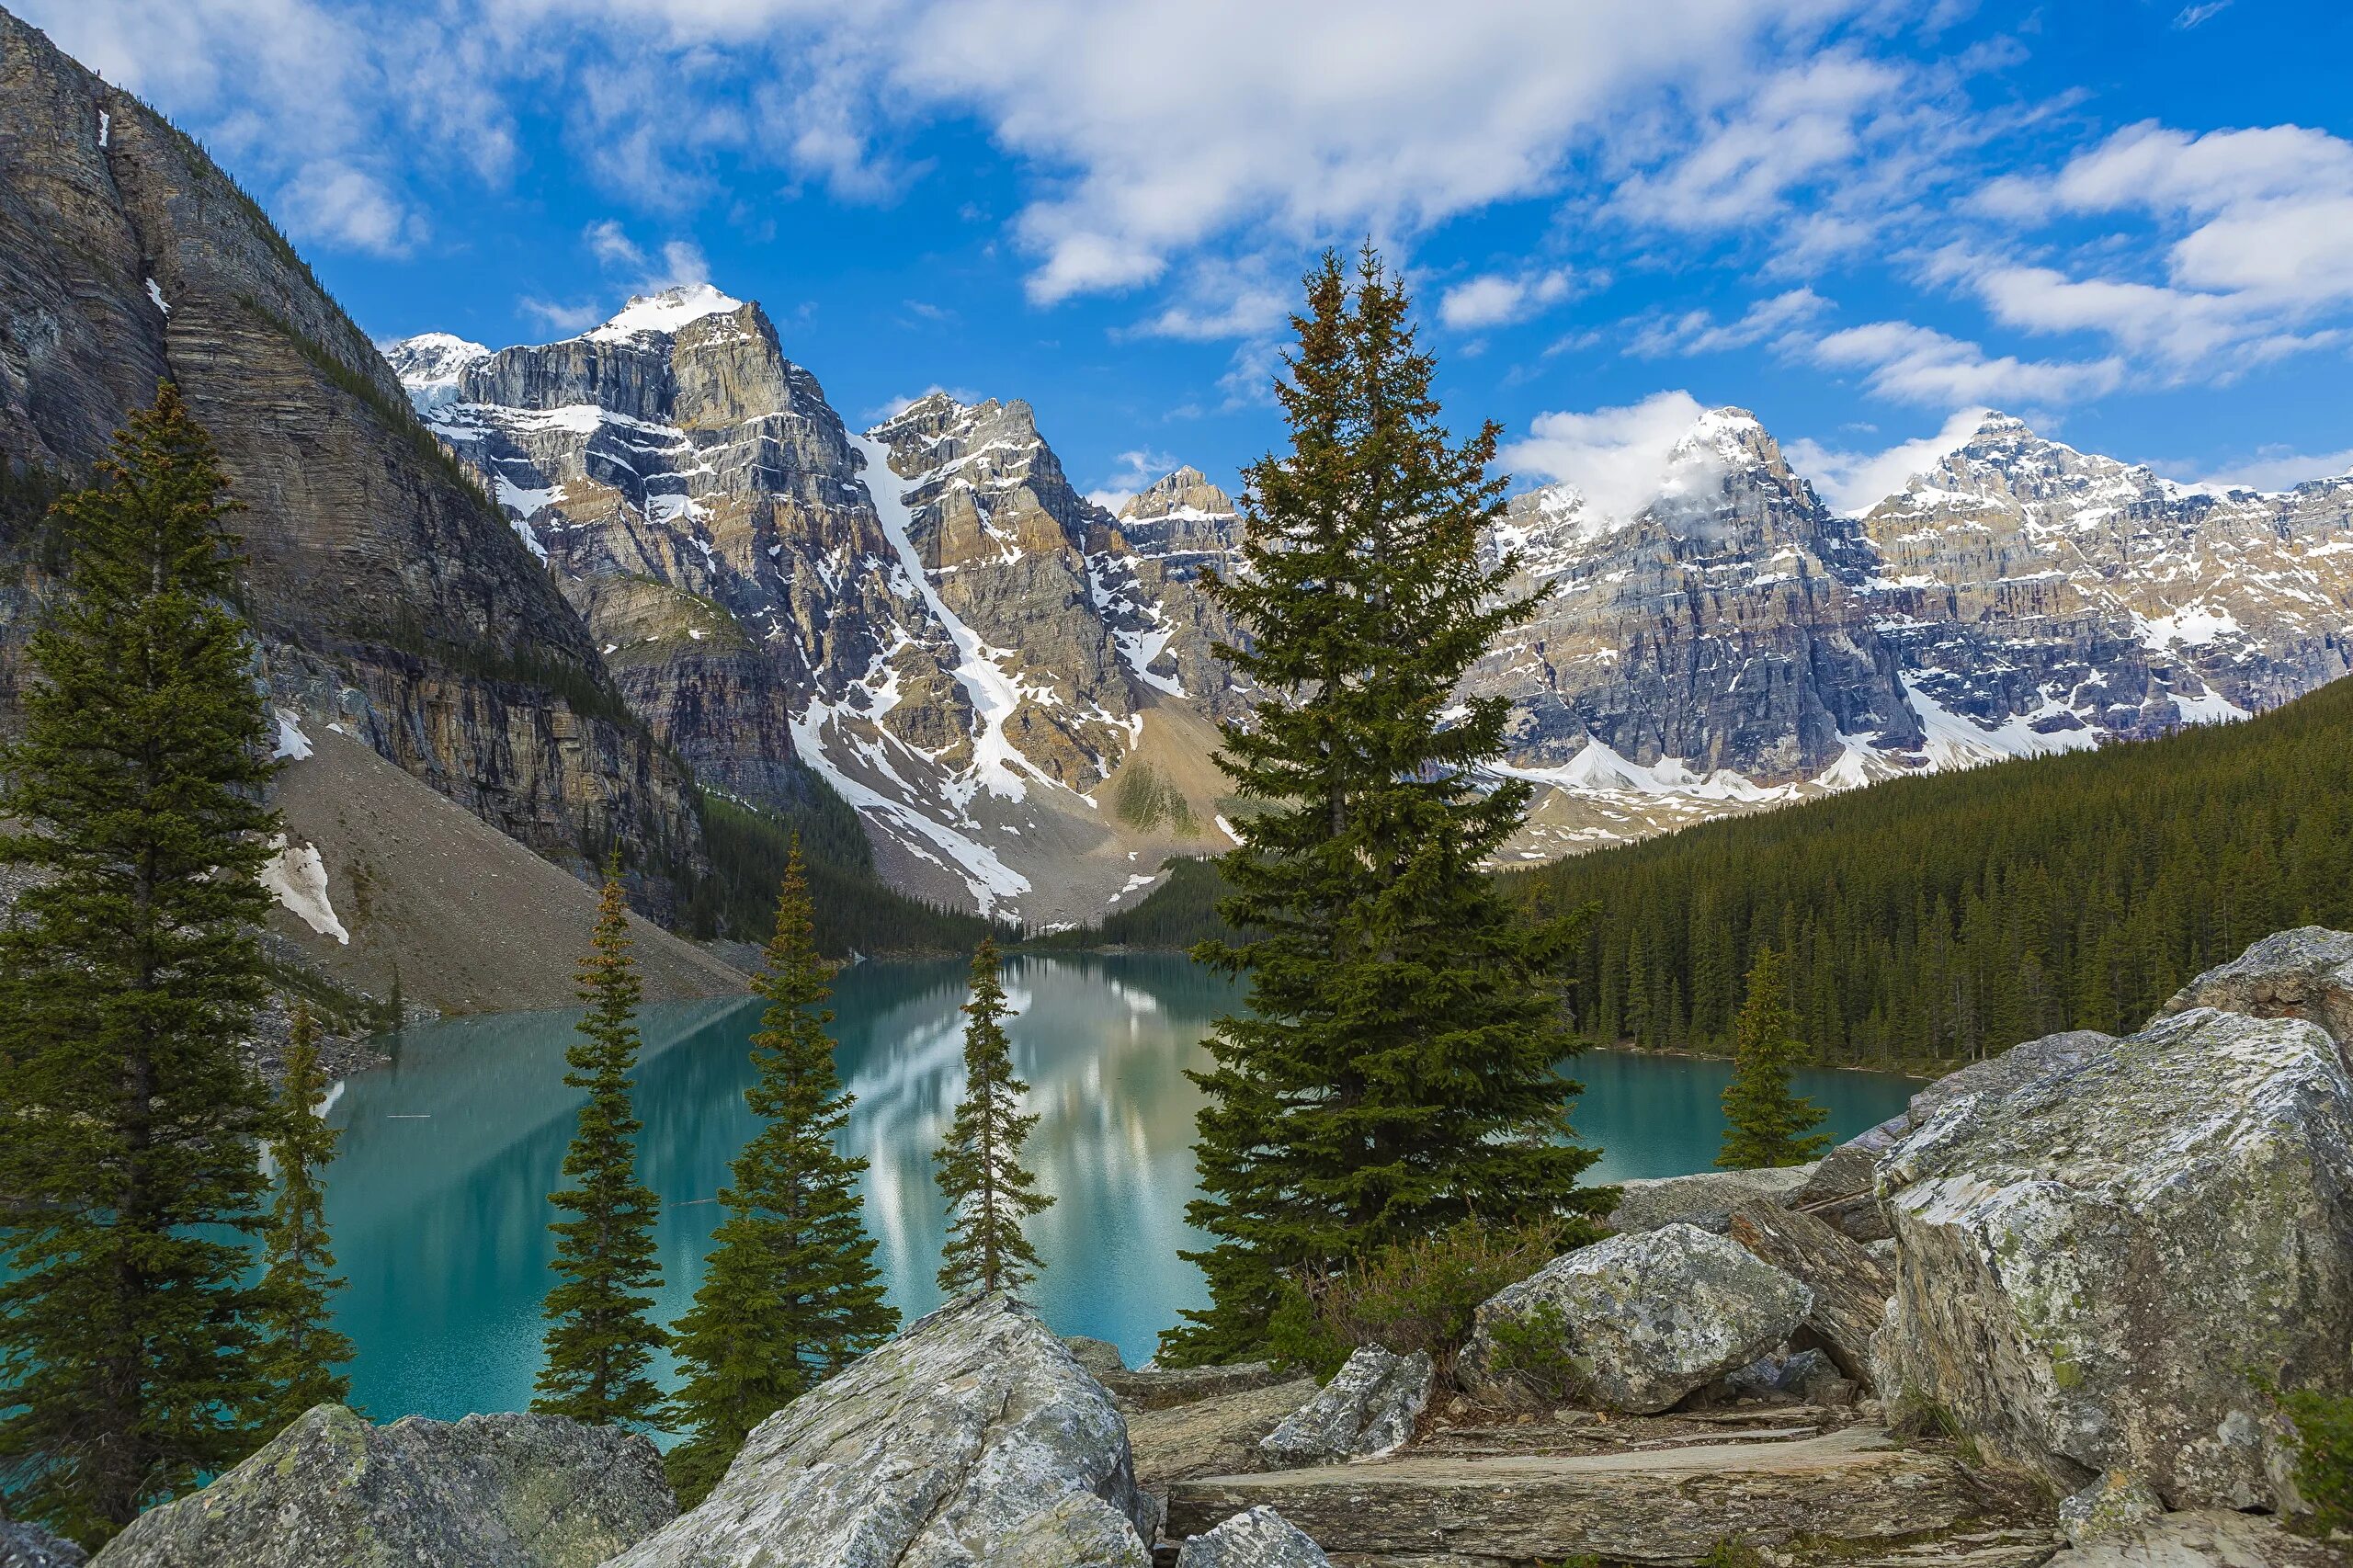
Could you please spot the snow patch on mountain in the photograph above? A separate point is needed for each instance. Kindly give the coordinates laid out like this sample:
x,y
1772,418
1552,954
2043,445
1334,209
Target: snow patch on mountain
x,y
662,314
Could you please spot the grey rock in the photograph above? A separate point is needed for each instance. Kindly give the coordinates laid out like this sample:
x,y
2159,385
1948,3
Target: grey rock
x,y
1642,1319
2091,1262
1218,1436
968,1435
1081,1530
1705,1198
24,1545
1850,1286
2118,1501
487,1491
1794,1376
1369,1407
2303,974
2201,1539
1257,1537
1099,1357
1158,1387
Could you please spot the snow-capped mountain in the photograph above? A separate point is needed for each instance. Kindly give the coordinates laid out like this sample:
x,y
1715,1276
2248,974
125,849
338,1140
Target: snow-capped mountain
x,y
926,613
1017,689
1733,644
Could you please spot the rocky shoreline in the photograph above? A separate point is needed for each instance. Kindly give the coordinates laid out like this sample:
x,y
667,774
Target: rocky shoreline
x,y
2030,1320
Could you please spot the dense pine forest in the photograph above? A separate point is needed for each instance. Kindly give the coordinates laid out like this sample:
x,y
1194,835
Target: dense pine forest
x,y
1948,917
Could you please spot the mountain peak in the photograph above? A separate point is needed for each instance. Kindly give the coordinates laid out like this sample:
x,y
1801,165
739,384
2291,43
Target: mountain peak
x,y
431,364
1182,492
664,314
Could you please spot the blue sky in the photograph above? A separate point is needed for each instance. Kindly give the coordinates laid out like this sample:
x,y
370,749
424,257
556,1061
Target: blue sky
x,y
2128,220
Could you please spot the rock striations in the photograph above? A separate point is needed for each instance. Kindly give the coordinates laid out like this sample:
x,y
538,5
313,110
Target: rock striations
x,y
390,596
927,614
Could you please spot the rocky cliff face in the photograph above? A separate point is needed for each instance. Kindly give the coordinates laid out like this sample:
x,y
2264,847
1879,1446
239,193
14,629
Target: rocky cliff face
x,y
1733,644
389,595
926,615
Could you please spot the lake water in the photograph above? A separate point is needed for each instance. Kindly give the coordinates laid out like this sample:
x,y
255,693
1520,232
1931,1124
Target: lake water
x,y
438,1199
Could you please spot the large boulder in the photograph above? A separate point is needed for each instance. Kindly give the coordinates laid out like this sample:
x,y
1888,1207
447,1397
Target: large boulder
x,y
1850,1286
2305,973
1839,1191
1704,1198
1369,1407
2204,1538
1259,1537
332,1491
2095,1263
1634,1322
971,1433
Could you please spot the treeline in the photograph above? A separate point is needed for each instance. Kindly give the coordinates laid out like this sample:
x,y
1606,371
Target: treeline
x,y
857,911
1178,913
1949,917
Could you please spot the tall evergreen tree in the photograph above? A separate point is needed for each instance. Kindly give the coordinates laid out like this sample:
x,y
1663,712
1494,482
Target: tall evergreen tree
x,y
790,1294
1764,1124
600,1343
1395,1073
128,977
979,1167
299,1353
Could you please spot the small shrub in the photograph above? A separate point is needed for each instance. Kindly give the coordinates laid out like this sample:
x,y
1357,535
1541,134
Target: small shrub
x,y
1534,1351
1417,1295
2323,1426
1733,1552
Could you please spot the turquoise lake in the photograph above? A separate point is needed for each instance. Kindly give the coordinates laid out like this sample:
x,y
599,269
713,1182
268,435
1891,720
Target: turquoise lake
x,y
438,1199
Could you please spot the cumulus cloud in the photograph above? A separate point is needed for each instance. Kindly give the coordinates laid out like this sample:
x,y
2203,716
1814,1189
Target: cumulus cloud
x,y
1133,471
2271,469
1497,299
1852,482
1621,460
1915,364
1698,331
332,201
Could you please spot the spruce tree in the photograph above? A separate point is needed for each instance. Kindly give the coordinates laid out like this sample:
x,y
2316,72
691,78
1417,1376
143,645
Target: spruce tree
x,y
979,1167
600,1343
1395,1070
129,976
1764,1124
299,1353
790,1294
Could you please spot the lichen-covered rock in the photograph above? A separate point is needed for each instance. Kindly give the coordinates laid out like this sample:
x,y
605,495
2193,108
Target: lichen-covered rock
x,y
1259,1537
1634,1322
1080,1531
25,1545
487,1491
1369,1407
1099,1357
1795,1377
2305,973
1218,1436
1704,1198
1850,1286
2091,1265
2201,1539
969,1435
2118,1501
1158,1387
1840,1193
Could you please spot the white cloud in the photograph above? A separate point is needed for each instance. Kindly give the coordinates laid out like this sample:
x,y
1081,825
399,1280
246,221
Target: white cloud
x,y
1852,483
1698,332
1919,365
2205,11
339,205
558,317
1135,470
2271,468
611,246
1619,457
1497,299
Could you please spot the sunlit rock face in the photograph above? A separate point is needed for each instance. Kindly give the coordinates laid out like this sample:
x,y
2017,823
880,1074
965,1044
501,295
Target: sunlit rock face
x,y
926,615
1732,644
